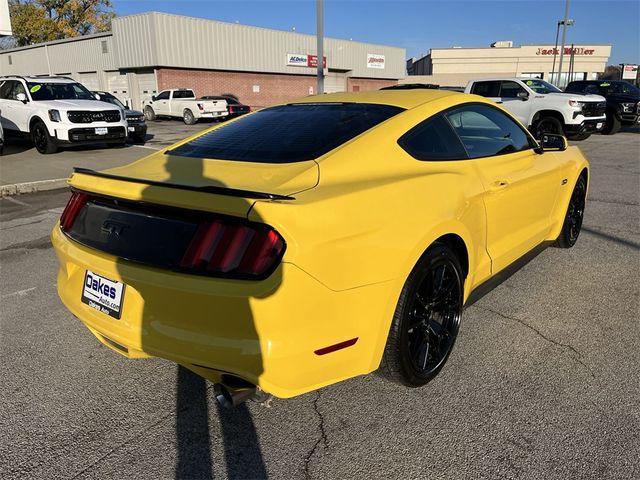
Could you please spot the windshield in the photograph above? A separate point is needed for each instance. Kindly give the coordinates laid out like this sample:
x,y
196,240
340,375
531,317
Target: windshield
x,y
59,91
113,100
288,133
540,86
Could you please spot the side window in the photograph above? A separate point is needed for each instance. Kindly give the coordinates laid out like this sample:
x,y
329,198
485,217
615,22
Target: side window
x,y
5,89
511,89
433,139
486,89
486,131
163,96
575,87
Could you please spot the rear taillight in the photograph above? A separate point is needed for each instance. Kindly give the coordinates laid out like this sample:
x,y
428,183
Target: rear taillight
x,y
200,107
234,249
230,109
75,204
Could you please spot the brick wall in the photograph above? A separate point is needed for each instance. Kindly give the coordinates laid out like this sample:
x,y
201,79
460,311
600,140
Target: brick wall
x,y
273,88
364,84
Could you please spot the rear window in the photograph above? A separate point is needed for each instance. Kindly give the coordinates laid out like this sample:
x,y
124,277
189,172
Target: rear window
x,y
288,133
486,89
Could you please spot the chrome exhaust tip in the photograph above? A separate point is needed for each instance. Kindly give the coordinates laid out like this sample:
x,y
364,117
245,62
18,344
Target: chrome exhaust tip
x,y
233,392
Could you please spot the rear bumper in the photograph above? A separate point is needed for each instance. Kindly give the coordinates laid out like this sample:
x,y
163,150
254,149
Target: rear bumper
x,y
137,130
265,332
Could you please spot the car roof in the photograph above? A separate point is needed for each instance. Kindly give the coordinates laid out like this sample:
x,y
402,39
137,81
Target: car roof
x,y
35,79
399,98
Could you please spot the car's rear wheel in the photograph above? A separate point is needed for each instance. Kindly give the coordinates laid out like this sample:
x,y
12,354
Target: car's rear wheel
x,y
547,125
575,213
149,114
612,125
41,139
426,321
188,117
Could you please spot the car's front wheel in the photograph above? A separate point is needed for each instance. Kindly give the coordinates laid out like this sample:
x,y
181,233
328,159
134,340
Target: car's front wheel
x,y
612,125
575,212
149,114
41,139
426,321
547,125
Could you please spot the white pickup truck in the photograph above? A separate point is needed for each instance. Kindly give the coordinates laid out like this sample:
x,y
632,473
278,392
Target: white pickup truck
x,y
182,103
543,108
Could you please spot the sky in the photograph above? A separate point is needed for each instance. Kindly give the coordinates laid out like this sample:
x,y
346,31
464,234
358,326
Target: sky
x,y
419,25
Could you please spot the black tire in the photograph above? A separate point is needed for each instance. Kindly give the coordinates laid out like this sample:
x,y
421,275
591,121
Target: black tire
x,y
41,139
612,125
188,117
138,138
149,114
579,137
573,218
547,125
426,319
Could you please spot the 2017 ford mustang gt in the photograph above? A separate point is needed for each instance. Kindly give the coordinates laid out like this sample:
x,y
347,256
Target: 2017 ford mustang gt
x,y
311,242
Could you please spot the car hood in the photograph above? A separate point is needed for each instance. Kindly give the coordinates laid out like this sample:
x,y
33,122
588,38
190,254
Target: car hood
x,y
577,96
231,182
91,105
133,113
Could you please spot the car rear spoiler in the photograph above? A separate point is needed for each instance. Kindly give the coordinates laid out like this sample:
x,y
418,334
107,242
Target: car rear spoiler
x,y
231,192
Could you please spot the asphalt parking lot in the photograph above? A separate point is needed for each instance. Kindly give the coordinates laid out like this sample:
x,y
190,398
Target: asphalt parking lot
x,y
544,381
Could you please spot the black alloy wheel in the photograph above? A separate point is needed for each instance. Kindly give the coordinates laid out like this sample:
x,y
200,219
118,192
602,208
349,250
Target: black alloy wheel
x,y
548,125
427,319
575,214
41,139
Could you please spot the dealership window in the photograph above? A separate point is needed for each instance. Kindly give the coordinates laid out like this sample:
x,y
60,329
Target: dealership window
x,y
539,75
565,78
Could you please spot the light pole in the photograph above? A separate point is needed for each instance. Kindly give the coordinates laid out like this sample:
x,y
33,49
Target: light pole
x,y
320,44
565,24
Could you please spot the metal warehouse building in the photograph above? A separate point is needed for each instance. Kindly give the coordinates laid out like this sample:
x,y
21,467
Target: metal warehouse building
x,y
149,52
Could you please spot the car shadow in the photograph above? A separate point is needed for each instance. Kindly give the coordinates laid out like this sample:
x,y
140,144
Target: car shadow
x,y
200,329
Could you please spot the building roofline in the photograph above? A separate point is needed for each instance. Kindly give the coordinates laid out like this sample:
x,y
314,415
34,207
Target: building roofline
x,y
151,13
57,42
578,45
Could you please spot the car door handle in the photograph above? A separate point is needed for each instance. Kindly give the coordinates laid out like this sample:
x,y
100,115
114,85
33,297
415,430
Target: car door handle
x,y
498,185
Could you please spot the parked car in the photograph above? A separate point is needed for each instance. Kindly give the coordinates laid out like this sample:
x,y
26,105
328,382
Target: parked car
x,y
623,101
543,108
312,242
1,135
57,111
182,103
234,107
136,126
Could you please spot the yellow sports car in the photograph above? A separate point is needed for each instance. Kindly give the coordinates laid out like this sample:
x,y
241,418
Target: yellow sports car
x,y
311,242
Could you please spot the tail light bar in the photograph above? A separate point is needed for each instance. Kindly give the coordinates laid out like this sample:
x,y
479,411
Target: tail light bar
x,y
230,109
218,246
236,249
70,213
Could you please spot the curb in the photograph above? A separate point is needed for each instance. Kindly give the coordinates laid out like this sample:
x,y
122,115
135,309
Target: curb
x,y
30,187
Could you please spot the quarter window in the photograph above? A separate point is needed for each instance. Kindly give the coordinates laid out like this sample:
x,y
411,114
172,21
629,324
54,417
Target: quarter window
x,y
486,131
433,139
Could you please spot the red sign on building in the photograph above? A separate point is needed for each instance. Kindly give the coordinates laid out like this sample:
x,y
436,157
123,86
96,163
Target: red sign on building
x,y
312,61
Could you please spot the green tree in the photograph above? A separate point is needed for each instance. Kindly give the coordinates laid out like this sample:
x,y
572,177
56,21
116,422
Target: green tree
x,y
35,21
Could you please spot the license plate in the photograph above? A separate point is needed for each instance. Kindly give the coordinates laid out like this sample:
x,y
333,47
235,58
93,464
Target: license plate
x,y
599,125
101,130
103,294
131,129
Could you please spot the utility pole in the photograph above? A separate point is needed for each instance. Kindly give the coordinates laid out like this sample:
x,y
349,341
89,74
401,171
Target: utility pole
x,y
320,40
555,52
564,38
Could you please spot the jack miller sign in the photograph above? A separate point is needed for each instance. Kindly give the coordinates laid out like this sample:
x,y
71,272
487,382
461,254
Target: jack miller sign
x,y
300,60
567,51
375,61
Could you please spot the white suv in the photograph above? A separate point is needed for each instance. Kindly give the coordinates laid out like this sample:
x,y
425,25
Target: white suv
x,y
543,108
56,111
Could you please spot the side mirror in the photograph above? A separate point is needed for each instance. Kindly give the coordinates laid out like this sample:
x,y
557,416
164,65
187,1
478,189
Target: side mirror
x,y
96,96
153,98
21,97
551,142
523,96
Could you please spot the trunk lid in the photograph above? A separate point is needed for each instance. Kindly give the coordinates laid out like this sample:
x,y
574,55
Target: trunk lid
x,y
221,186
